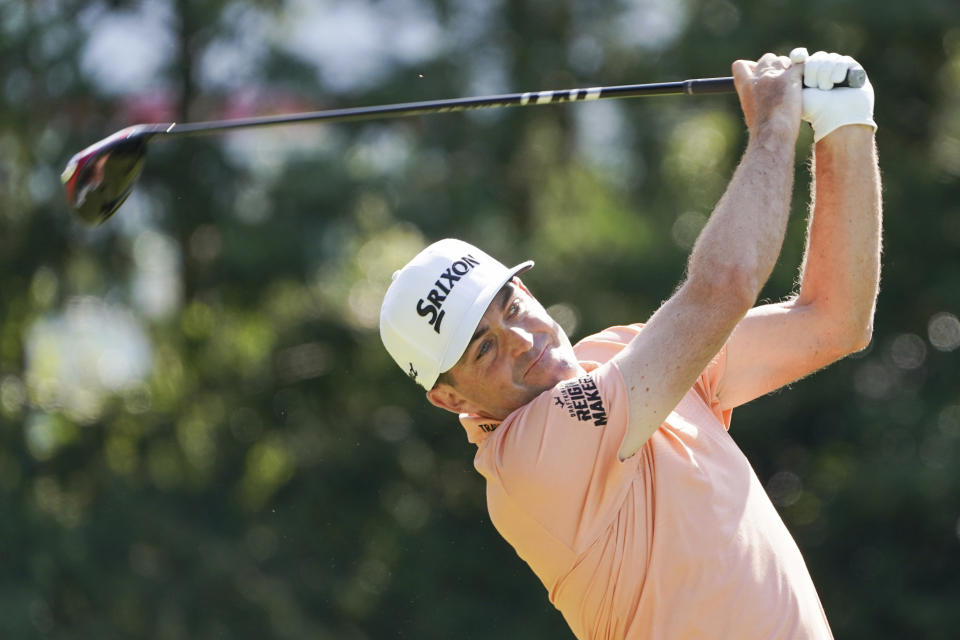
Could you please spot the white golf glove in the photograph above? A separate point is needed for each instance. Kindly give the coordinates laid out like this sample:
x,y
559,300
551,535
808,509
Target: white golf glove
x,y
826,108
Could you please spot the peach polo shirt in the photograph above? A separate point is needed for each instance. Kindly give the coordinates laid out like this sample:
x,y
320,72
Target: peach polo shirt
x,y
678,541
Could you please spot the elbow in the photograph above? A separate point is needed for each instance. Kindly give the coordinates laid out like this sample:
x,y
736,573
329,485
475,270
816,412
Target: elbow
x,y
859,337
854,335
860,327
731,288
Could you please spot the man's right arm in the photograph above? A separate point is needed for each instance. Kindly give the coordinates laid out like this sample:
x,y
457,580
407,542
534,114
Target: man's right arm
x,y
731,260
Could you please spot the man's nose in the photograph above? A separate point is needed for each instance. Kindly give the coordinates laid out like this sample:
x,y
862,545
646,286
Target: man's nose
x,y
521,340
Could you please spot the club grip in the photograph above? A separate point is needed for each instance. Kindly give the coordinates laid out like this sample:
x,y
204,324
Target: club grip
x,y
856,78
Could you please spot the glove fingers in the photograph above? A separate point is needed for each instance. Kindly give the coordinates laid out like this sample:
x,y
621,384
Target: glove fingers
x,y
810,68
840,71
825,71
822,70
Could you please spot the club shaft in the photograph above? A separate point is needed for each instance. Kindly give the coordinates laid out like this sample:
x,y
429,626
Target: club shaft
x,y
688,87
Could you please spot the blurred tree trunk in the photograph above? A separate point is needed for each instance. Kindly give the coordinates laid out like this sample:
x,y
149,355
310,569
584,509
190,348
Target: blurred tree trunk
x,y
538,35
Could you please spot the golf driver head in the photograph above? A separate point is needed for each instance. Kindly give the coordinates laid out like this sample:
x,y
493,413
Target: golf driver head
x,y
98,179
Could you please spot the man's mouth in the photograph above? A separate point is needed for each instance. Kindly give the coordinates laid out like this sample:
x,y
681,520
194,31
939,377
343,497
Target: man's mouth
x,y
535,360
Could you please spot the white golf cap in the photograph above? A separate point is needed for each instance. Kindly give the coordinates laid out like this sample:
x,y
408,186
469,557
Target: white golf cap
x,y
434,304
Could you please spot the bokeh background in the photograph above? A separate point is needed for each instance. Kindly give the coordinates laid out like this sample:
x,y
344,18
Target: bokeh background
x,y
200,434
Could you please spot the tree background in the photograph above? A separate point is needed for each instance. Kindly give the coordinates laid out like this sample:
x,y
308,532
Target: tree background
x,y
200,433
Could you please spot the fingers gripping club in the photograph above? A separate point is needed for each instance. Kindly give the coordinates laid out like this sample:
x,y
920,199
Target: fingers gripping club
x,y
828,105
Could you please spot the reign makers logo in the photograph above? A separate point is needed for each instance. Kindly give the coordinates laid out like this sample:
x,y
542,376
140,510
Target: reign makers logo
x,y
581,399
433,305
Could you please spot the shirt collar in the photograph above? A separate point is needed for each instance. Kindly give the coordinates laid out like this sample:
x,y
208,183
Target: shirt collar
x,y
479,428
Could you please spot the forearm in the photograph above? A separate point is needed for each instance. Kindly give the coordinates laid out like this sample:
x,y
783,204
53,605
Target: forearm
x,y
744,235
841,266
730,262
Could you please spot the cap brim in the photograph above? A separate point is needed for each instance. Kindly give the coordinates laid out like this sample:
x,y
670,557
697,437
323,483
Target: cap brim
x,y
461,338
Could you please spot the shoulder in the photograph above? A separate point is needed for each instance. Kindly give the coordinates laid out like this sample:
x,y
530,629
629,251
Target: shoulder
x,y
562,428
621,333
600,347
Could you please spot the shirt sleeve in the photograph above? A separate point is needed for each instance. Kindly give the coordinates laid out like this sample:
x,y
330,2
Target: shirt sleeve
x,y
556,461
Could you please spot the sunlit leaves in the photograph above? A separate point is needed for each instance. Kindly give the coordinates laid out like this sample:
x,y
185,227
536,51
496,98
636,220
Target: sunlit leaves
x,y
268,466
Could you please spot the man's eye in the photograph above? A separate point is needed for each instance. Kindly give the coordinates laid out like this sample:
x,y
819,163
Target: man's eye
x,y
515,307
483,348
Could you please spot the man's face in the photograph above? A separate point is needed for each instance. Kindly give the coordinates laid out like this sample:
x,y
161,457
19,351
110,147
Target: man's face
x,y
516,353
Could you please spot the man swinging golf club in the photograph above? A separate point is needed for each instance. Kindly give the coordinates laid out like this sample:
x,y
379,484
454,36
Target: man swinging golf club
x,y
608,464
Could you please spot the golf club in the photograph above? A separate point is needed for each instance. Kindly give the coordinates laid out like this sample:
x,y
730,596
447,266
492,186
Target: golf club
x,y
98,179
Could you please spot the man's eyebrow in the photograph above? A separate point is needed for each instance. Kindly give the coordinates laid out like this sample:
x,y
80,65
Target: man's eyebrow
x,y
502,298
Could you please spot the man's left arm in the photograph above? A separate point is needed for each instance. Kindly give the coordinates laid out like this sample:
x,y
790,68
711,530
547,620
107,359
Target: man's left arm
x,y
832,315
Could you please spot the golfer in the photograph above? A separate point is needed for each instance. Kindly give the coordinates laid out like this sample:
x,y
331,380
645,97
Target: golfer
x,y
608,464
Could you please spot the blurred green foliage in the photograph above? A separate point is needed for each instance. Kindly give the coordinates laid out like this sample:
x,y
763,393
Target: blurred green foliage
x,y
200,434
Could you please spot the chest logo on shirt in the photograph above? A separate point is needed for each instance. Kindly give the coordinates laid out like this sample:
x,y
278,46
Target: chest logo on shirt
x,y
582,401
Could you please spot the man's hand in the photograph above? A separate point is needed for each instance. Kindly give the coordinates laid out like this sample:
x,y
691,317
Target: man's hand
x,y
827,108
769,91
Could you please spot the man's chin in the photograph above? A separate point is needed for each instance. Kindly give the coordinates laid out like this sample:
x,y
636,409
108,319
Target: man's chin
x,y
563,366
558,373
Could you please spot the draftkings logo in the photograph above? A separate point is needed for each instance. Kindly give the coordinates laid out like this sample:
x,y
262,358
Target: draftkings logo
x,y
581,399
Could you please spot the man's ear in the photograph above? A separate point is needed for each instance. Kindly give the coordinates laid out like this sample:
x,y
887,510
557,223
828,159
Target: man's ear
x,y
446,397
